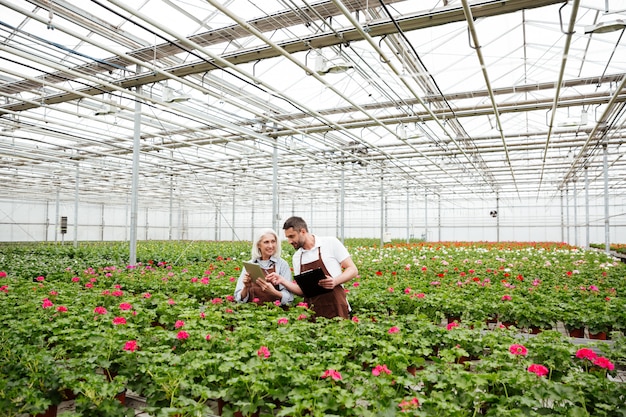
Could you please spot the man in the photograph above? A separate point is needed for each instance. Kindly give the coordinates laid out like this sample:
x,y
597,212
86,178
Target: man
x,y
327,253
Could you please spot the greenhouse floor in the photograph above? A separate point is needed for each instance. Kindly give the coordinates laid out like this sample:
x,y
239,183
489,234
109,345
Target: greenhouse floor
x,y
138,403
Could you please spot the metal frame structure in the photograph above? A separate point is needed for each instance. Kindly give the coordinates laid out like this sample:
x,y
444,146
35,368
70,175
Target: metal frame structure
x,y
487,100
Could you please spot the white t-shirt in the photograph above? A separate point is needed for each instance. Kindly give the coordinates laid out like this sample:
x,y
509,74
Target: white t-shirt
x,y
333,254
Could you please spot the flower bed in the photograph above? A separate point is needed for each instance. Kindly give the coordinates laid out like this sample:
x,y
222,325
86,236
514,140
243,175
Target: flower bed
x,y
169,330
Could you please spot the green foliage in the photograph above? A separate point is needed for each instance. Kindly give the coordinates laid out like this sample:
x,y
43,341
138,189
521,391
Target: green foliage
x,y
279,361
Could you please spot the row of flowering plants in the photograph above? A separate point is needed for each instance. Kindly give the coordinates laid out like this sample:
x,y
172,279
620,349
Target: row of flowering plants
x,y
419,343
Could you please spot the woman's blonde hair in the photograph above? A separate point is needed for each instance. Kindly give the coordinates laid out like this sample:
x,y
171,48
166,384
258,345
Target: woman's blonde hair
x,y
256,252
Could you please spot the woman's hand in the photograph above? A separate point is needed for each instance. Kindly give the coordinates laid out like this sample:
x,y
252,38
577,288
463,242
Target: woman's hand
x,y
264,284
247,281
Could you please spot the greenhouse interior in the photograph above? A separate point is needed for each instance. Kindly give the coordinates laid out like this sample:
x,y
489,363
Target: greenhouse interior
x,y
466,154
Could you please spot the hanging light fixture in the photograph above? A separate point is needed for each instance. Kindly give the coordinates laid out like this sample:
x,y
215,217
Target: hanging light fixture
x,y
606,27
334,65
172,96
105,109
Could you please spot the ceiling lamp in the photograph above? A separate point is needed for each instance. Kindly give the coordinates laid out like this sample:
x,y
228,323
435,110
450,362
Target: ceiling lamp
x,y
333,65
106,109
575,121
605,27
172,96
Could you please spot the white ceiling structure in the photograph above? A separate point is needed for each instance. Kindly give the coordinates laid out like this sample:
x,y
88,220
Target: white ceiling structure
x,y
507,98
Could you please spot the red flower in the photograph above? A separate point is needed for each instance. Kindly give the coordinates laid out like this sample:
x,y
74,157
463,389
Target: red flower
x,y
393,330
452,325
332,374
131,346
516,349
586,353
182,335
406,406
263,352
603,362
61,309
100,310
380,369
539,370
379,273
3,274
46,303
506,298
119,320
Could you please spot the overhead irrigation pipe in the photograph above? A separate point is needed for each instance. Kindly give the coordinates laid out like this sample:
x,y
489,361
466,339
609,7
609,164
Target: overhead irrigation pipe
x,y
256,80
558,84
384,58
483,66
601,121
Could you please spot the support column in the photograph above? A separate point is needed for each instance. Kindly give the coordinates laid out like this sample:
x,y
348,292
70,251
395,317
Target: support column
x,y
134,205
607,238
76,207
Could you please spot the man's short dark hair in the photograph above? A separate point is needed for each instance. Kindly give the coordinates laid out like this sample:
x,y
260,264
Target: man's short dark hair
x,y
297,223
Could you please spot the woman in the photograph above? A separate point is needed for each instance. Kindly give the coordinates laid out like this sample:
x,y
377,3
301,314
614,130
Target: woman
x,y
265,252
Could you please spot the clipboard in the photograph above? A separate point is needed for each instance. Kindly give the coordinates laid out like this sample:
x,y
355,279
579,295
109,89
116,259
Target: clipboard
x,y
308,282
254,270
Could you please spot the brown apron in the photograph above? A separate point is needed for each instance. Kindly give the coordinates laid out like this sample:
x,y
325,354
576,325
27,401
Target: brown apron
x,y
331,304
262,296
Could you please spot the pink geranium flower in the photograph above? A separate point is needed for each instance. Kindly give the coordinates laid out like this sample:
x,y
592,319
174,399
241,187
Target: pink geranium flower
x,y
393,330
452,325
179,324
46,303
3,274
407,405
283,320
586,353
506,298
263,352
100,310
126,306
61,309
516,349
331,373
381,369
538,370
119,320
131,346
603,362
182,335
